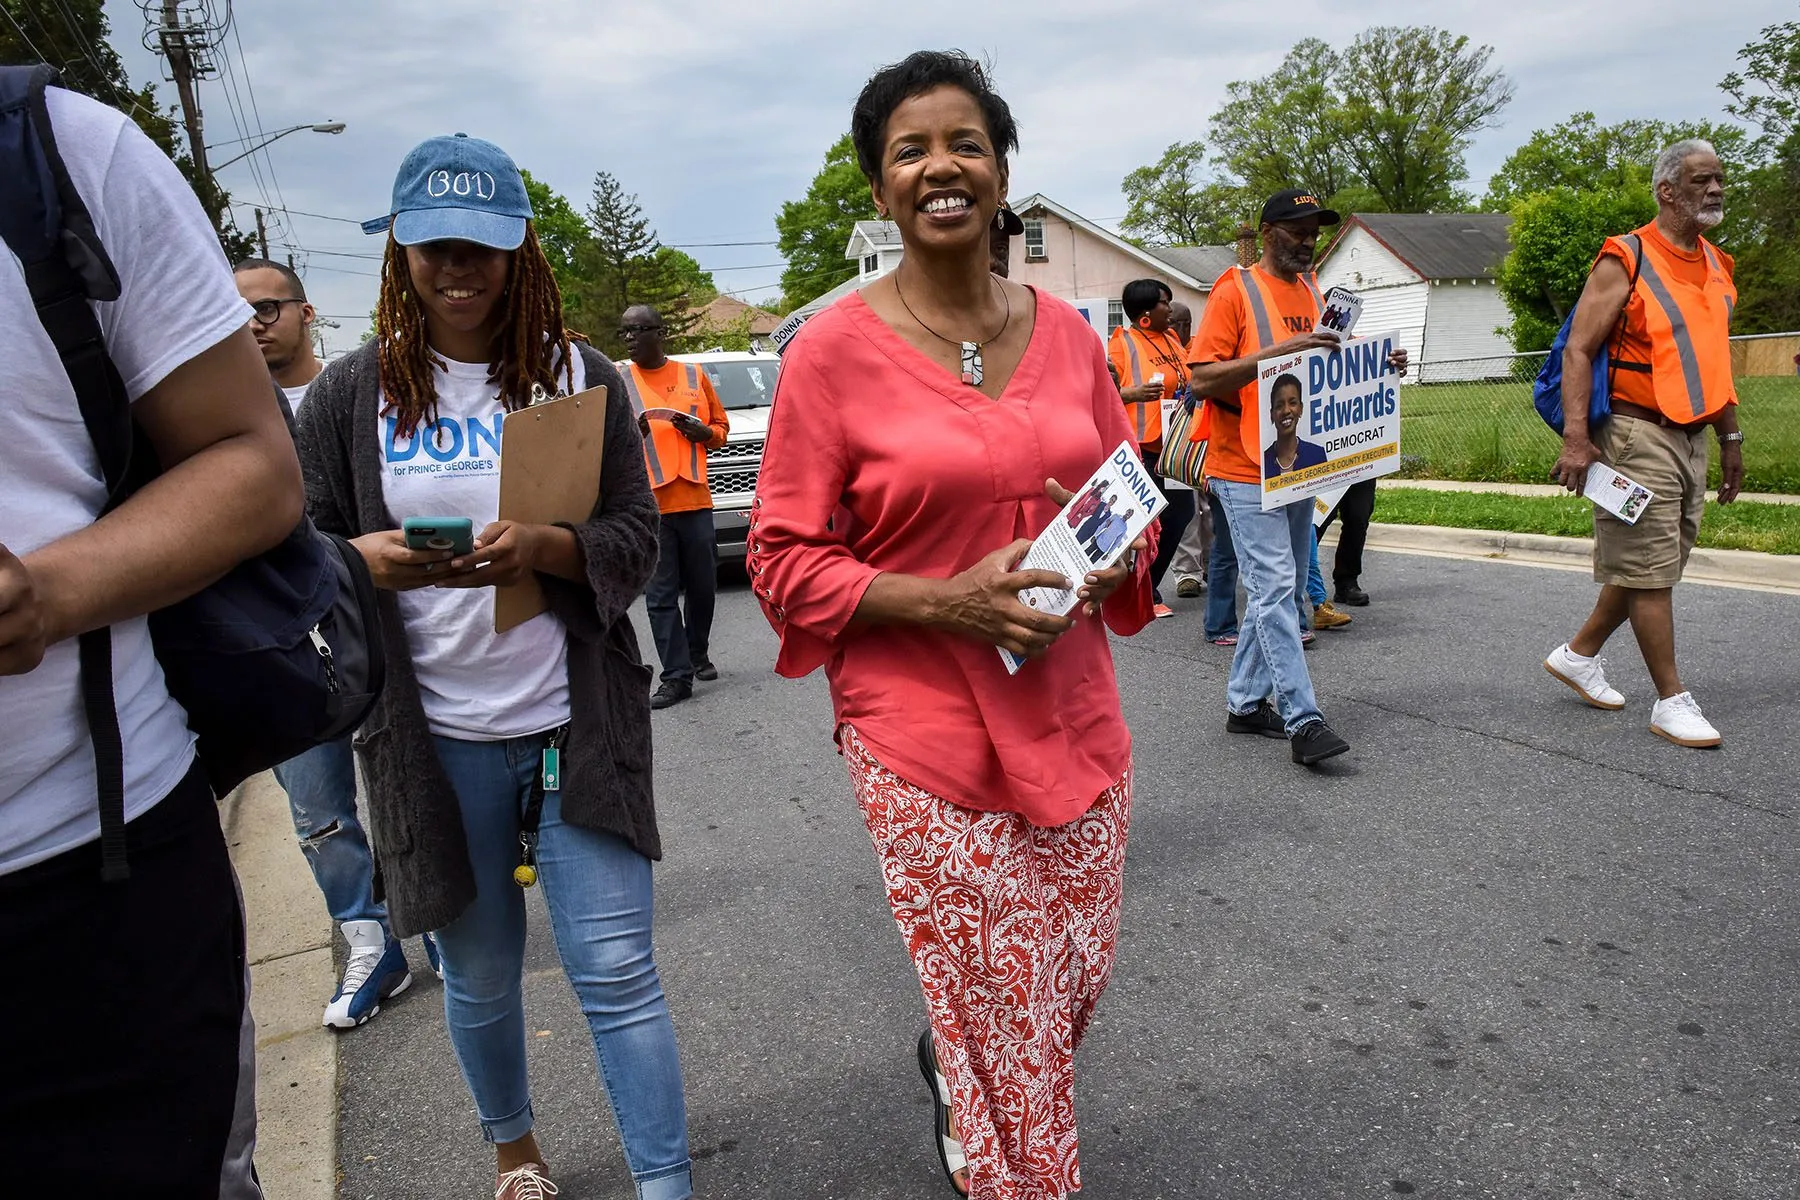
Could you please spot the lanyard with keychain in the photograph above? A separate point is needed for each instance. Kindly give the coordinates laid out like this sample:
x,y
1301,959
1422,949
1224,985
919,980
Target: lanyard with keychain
x,y
549,779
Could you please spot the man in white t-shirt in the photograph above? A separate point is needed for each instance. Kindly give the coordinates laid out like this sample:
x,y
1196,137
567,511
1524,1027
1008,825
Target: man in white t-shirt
x,y
126,1039
321,783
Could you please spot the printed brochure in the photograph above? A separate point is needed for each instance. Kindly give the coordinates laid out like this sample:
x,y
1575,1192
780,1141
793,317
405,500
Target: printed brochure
x,y
1091,533
1620,495
1338,316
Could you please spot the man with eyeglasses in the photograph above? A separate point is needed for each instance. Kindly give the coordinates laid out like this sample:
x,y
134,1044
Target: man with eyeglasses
x,y
681,419
282,321
321,783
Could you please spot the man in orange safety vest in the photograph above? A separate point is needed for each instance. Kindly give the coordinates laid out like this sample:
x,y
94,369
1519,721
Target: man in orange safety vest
x,y
681,419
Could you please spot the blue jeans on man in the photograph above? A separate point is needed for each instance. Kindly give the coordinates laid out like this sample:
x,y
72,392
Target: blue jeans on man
x,y
1272,549
679,600
321,790
1221,575
598,893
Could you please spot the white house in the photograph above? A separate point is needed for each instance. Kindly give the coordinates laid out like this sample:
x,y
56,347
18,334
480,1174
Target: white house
x,y
1430,277
1061,253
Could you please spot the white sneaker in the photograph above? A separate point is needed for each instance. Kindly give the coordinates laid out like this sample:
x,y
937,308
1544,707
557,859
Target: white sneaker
x,y
376,970
1679,719
1586,675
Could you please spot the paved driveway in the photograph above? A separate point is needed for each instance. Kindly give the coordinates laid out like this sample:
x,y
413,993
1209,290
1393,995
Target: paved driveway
x,y
1507,947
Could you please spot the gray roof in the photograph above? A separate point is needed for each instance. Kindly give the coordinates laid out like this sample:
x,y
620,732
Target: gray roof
x,y
880,234
1205,263
821,303
1443,245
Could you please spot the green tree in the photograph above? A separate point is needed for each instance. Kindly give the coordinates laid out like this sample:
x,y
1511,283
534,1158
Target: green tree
x,y
1413,99
71,35
1584,155
813,231
697,285
1764,209
620,266
1555,238
562,231
1177,202
1286,129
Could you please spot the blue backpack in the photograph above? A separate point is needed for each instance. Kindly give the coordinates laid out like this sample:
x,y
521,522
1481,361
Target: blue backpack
x,y
280,655
1546,392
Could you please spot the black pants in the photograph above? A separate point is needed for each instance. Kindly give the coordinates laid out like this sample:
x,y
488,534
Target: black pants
x,y
126,1054
686,570
1175,520
1355,510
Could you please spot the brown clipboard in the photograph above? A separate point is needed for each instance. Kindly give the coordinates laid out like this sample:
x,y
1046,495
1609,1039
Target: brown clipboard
x,y
550,458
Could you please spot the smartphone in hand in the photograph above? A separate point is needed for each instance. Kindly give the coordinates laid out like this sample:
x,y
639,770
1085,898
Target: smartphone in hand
x,y
455,534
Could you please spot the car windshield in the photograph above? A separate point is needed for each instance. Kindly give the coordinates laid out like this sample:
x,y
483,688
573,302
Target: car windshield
x,y
743,384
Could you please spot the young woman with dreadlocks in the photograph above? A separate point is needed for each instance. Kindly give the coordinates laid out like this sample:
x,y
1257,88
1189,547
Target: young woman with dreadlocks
x,y
469,327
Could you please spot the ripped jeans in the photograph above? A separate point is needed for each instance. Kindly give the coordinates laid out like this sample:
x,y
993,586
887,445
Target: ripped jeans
x,y
321,791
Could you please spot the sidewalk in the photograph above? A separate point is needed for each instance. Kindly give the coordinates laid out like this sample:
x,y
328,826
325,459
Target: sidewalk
x,y
291,976
1551,489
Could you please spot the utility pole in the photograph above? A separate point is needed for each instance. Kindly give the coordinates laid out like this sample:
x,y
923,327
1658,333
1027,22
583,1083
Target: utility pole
x,y
177,48
262,234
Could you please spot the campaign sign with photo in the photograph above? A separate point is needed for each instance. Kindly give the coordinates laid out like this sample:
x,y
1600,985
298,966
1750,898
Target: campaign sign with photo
x,y
1338,315
1329,418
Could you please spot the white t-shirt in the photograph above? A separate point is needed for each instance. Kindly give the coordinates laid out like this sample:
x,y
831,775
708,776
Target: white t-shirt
x,y
295,396
178,300
476,684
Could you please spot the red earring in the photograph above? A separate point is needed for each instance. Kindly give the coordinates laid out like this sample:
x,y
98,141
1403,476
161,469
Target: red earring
x,y
1143,322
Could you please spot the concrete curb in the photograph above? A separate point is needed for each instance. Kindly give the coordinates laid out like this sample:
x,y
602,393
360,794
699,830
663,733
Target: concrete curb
x,y
291,977
1552,489
1720,568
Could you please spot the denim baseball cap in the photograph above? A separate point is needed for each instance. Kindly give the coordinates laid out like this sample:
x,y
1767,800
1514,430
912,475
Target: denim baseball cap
x,y
457,188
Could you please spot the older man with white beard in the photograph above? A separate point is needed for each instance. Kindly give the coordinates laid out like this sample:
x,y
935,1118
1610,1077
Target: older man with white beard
x,y
1660,299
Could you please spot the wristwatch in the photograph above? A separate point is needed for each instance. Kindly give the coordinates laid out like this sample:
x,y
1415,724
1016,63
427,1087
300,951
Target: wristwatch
x,y
1734,436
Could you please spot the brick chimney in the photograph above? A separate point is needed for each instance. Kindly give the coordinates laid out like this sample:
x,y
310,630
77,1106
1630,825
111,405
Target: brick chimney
x,y
1246,245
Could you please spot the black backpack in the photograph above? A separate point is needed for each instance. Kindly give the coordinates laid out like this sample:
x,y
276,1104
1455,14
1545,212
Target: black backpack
x,y
284,652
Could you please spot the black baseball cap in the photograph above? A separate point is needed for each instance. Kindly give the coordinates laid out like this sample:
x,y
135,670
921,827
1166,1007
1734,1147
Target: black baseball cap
x,y
1291,204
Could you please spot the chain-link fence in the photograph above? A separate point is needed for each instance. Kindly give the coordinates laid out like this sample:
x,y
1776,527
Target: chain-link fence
x,y
1472,418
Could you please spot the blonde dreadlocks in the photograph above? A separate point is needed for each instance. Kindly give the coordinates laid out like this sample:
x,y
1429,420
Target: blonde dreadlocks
x,y
526,346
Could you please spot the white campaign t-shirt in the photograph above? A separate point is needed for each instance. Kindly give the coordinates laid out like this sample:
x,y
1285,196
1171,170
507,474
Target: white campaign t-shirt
x,y
177,300
476,684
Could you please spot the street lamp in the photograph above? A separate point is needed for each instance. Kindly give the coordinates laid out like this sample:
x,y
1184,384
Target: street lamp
x,y
325,127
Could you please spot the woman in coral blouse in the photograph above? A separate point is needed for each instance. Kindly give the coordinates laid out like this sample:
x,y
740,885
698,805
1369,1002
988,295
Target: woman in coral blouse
x,y
921,429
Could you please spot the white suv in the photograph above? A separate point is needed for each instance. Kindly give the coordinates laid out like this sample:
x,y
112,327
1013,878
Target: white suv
x,y
745,382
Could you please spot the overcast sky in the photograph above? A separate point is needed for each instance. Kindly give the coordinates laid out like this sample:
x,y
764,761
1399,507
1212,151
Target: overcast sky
x,y
715,112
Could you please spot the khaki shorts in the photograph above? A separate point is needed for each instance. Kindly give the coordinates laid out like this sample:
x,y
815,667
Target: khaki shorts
x,y
1672,464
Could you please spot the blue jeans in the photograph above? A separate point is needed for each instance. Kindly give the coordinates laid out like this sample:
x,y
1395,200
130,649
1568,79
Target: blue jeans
x,y
598,891
686,578
1315,580
1272,548
321,792
1221,574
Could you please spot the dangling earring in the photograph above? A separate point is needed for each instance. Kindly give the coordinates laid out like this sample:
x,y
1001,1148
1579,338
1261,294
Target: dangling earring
x,y
1000,217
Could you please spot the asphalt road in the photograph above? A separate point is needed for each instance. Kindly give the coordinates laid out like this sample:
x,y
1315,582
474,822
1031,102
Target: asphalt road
x,y
1508,947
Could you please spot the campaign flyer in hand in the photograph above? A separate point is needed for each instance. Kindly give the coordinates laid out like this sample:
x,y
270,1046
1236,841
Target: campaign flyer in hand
x,y
1091,533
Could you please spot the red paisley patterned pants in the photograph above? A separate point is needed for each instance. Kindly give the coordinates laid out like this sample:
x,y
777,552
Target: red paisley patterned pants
x,y
1012,928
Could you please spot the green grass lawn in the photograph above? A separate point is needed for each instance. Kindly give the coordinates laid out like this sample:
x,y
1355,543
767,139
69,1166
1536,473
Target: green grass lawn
x,y
1489,431
1771,528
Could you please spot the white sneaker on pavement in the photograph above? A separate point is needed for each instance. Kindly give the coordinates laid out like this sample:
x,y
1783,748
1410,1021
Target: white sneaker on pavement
x,y
1679,719
375,971
1586,675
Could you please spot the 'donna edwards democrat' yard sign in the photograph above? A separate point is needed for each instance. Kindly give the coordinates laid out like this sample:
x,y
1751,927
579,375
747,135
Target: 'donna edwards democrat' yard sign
x,y
1329,418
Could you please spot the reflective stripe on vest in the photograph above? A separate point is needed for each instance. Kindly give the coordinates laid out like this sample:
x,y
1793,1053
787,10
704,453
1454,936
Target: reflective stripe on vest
x,y
637,406
693,382
1140,413
1684,341
1688,330
1259,305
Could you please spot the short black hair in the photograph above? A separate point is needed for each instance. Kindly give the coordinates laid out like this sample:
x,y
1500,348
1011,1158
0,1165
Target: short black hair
x,y
288,273
915,75
1142,295
1282,381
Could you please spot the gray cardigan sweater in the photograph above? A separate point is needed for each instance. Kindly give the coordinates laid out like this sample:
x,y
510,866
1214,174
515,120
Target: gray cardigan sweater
x,y
414,822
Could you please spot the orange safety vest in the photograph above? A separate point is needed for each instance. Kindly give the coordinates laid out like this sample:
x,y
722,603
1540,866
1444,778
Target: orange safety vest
x,y
1689,330
668,455
1262,308
1137,365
